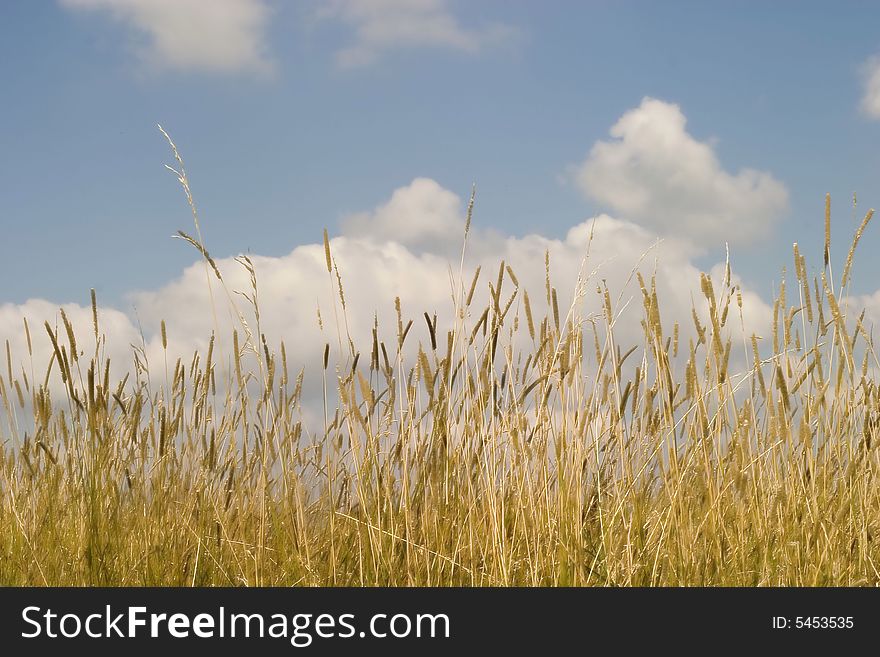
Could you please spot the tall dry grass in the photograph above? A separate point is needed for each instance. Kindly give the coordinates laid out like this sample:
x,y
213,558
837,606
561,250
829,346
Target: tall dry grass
x,y
574,461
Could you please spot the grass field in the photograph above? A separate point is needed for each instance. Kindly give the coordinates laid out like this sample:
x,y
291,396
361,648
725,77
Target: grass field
x,y
573,461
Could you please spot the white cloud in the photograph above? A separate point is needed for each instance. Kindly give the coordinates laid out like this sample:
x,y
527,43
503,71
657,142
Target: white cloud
x,y
220,36
870,303
655,173
400,249
117,326
870,104
384,25
421,216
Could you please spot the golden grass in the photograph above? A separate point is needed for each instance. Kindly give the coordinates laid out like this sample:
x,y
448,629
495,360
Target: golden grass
x,y
576,461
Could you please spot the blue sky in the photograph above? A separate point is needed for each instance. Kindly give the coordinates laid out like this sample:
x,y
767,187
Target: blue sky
x,y
293,116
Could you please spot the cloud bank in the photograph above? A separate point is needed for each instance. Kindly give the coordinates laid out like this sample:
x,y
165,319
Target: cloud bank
x,y
410,248
377,263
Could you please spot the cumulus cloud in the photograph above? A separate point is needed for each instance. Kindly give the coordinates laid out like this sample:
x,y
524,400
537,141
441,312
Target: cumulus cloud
x,y
654,172
220,36
870,104
381,26
30,357
400,249
421,216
